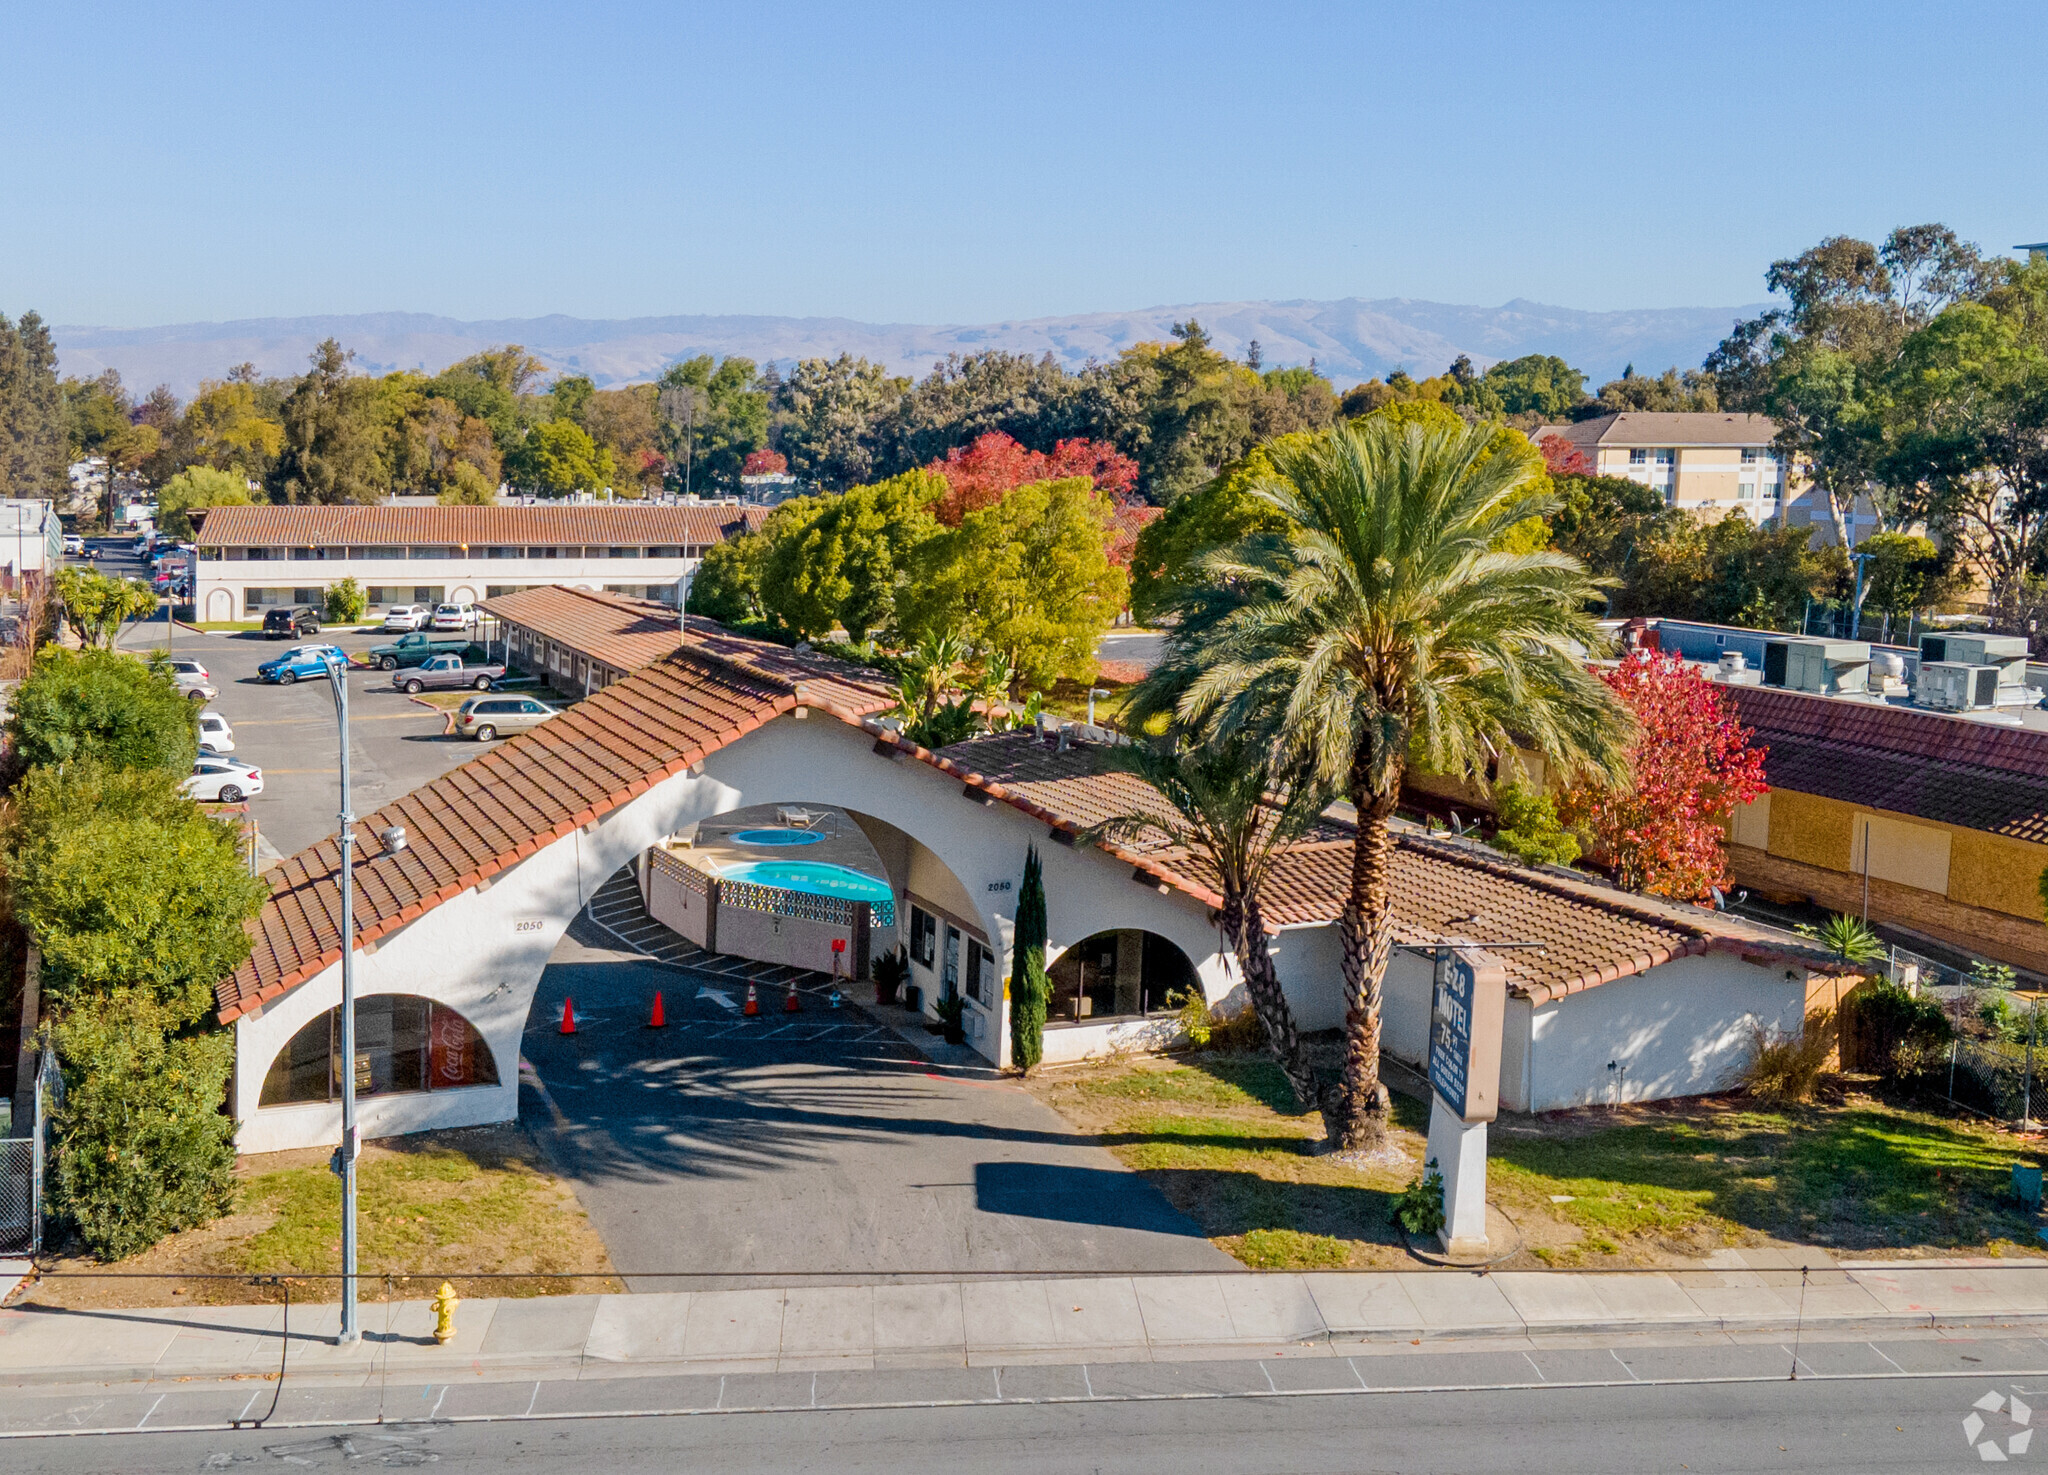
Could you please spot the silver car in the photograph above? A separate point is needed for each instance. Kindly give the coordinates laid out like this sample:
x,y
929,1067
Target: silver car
x,y
484,718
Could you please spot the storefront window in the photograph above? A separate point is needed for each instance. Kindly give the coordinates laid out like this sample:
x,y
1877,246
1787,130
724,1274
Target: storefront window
x,y
403,1043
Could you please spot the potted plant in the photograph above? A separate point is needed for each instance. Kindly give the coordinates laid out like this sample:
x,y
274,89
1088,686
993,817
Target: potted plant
x,y
952,1012
892,970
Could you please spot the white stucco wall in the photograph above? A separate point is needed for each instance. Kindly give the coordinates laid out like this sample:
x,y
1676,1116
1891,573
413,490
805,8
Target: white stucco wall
x,y
483,952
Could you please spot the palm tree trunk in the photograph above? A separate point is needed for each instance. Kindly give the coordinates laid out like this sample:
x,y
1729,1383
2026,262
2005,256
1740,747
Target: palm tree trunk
x,y
1360,1113
1245,929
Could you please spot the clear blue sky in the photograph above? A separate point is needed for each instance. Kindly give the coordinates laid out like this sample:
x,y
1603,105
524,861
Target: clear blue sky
x,y
978,160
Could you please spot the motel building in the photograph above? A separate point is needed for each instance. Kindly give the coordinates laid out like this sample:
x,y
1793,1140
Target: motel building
x,y
253,558
761,808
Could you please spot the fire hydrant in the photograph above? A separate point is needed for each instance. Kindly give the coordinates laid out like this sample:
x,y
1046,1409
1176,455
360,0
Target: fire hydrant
x,y
444,1303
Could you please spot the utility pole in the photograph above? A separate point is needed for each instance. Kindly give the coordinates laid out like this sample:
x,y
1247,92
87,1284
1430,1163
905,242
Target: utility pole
x,y
344,1163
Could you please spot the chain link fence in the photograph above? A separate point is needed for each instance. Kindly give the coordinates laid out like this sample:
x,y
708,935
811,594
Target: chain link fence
x,y
24,1163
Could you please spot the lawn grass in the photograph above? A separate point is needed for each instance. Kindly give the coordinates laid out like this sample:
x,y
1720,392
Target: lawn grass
x,y
479,1199
1219,1135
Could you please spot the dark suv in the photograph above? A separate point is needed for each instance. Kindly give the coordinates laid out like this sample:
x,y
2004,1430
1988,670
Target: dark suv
x,y
291,621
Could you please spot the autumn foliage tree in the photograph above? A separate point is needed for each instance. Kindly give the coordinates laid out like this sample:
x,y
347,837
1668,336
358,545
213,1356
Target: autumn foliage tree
x,y
978,475
764,462
1691,766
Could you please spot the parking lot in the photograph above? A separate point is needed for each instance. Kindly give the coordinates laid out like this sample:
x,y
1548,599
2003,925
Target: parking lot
x,y
396,744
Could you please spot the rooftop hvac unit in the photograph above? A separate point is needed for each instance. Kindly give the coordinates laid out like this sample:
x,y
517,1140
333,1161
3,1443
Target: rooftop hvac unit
x,y
1956,686
1804,663
1973,649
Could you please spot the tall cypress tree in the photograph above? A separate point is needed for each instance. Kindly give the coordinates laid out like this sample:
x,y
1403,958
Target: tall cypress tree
x,y
32,429
1028,986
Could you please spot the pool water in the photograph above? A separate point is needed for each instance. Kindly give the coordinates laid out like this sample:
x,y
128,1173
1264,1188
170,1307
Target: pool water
x,y
813,876
777,837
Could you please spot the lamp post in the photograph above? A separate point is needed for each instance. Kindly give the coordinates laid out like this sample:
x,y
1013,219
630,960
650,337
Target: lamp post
x,y
344,1163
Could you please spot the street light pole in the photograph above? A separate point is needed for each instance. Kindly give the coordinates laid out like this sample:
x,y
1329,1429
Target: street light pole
x,y
345,1155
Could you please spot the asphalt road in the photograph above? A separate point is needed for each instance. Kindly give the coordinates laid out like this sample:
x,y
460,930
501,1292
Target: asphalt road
x,y
1146,1419
813,1144
288,731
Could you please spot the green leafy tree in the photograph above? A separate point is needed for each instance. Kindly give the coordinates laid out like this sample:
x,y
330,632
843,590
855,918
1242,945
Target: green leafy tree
x,y
560,458
1529,829
1904,574
1385,628
346,602
1228,806
826,415
1537,383
1218,515
466,486
1672,392
333,435
229,427
1729,572
130,956
727,584
198,486
1028,579
1030,990
842,564
99,604
712,417
104,705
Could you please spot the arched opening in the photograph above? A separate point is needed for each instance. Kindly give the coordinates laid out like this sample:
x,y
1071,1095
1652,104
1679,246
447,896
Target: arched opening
x,y
404,1043
220,605
1122,974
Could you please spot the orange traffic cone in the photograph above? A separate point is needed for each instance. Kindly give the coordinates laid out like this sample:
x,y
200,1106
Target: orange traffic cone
x,y
657,1019
790,1004
753,1002
568,1017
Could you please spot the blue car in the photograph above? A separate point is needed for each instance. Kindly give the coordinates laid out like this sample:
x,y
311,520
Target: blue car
x,y
300,661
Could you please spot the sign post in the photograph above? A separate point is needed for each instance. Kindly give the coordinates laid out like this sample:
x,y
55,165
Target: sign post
x,y
1468,1002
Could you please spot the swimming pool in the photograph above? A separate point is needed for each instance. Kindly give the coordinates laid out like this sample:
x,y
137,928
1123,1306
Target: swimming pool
x,y
819,879
777,837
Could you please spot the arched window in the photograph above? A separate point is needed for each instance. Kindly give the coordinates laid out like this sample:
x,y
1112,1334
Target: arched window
x,y
1118,975
403,1043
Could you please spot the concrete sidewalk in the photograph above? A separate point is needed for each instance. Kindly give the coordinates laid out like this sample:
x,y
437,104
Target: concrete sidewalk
x,y
1015,1321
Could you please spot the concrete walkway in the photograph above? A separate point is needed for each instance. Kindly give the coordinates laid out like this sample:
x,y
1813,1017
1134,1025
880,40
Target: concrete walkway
x,y
1011,1322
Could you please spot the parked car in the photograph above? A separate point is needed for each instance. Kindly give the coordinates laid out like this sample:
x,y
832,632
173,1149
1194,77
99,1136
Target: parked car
x,y
289,621
215,736
443,672
484,718
410,650
197,688
73,543
184,666
453,617
301,662
220,780
407,617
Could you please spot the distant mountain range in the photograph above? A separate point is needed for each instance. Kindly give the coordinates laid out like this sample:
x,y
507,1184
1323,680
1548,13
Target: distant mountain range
x,y
1350,340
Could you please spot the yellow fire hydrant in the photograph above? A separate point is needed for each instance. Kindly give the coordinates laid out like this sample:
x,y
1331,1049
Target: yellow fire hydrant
x,y
444,1303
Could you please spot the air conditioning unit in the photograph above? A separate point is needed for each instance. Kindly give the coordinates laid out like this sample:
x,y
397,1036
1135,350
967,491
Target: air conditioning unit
x,y
2008,653
1956,686
1808,663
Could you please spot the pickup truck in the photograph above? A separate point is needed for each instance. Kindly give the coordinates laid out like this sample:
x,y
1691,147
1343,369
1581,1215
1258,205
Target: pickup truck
x,y
448,671
411,650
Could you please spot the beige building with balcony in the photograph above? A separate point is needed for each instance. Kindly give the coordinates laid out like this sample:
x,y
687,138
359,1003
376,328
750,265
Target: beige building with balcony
x,y
1709,464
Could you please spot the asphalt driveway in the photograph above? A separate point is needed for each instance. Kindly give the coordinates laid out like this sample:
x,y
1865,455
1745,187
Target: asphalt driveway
x,y
814,1144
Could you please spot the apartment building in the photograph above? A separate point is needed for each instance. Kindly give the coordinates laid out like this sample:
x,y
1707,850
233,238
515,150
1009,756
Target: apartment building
x,y
1709,464
251,558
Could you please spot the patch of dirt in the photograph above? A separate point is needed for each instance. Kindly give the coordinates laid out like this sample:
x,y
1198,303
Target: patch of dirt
x,y
533,1245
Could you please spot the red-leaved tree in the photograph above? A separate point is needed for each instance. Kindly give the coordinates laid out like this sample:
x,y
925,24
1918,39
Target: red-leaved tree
x,y
977,475
764,462
1692,766
1562,458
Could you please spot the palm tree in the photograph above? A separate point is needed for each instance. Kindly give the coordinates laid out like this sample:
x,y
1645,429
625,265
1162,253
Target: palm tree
x,y
1228,806
1384,628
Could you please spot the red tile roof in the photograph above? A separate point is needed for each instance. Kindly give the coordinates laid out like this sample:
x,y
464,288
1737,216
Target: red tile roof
x,y
515,799
499,808
624,524
1905,760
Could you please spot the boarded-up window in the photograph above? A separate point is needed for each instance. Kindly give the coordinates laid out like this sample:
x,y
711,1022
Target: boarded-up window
x,y
1908,854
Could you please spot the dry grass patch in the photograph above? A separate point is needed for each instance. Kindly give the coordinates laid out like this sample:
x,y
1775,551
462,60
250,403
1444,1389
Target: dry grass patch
x,y
479,1200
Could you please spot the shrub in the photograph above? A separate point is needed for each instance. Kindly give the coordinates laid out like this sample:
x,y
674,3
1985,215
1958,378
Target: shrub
x,y
1787,1067
1029,987
102,704
1894,1031
1420,1208
1241,1033
1529,828
1846,937
1191,1012
143,1149
346,602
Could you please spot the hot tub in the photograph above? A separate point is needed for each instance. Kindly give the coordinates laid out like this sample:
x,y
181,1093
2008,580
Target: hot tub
x,y
776,837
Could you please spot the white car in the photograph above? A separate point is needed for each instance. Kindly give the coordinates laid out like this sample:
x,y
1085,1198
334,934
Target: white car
x,y
407,617
453,617
182,668
221,780
215,736
73,543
